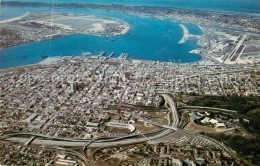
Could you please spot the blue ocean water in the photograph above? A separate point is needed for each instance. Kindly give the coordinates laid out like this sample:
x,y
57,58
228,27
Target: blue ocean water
x,y
248,6
148,38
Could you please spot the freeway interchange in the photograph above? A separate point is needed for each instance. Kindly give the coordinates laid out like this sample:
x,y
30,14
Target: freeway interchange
x,y
167,133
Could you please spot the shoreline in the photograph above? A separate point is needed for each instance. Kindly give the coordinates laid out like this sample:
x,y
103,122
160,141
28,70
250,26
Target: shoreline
x,y
191,15
199,43
49,60
46,61
54,59
127,28
199,50
185,34
25,33
15,18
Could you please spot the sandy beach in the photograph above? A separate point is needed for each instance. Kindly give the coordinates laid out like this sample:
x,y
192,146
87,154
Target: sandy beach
x,y
185,34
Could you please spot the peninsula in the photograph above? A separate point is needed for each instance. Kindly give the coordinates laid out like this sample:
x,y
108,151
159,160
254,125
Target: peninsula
x,y
42,26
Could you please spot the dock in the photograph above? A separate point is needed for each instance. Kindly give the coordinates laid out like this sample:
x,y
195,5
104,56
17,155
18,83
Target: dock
x,y
123,56
102,53
111,54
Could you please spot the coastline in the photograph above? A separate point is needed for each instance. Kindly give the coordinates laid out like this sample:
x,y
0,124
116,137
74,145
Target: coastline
x,y
50,60
98,26
54,59
185,34
46,61
202,51
127,27
10,69
15,18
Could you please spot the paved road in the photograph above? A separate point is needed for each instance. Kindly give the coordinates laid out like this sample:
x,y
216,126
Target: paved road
x,y
175,115
208,108
137,138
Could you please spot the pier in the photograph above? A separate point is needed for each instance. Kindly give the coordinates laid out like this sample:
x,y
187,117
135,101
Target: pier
x,y
123,56
111,54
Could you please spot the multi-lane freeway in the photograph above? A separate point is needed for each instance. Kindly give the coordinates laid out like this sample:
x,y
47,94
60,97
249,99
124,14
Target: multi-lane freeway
x,y
161,135
173,108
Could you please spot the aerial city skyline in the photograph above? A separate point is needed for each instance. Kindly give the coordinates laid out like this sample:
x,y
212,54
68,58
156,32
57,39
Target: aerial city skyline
x,y
96,83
